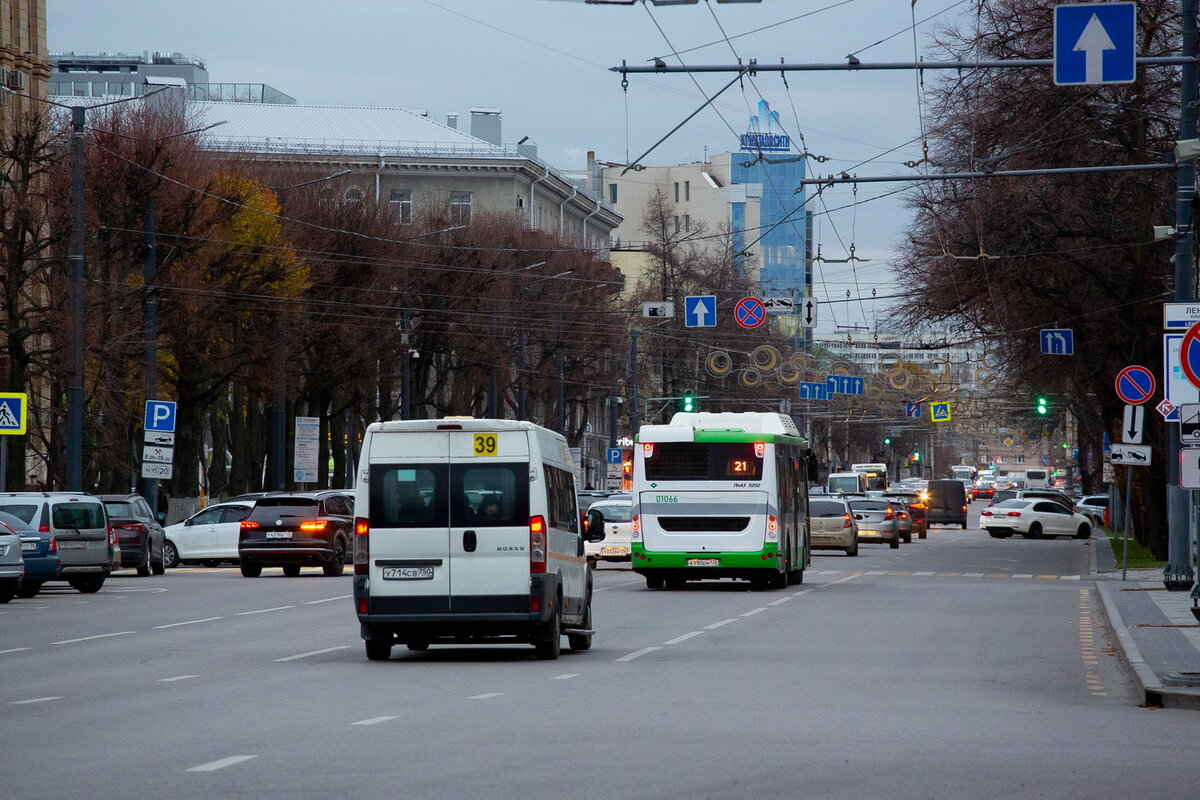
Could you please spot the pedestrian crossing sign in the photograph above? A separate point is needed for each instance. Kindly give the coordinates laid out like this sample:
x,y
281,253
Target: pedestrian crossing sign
x,y
12,412
939,412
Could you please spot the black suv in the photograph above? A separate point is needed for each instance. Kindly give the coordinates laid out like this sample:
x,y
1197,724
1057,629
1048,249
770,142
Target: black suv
x,y
297,529
139,532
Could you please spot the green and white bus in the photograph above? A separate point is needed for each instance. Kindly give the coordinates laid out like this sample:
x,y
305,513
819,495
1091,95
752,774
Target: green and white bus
x,y
721,495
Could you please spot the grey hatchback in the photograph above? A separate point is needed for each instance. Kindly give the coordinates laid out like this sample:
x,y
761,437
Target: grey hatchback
x,y
876,520
87,546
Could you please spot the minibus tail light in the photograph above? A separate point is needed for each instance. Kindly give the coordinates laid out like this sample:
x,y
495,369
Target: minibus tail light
x,y
759,449
636,527
362,546
648,450
537,544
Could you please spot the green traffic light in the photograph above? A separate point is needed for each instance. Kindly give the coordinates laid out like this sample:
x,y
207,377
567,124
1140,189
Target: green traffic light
x,y
916,455
689,402
887,441
1042,404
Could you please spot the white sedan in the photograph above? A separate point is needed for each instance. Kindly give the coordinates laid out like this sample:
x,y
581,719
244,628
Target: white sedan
x,y
615,515
1034,519
209,536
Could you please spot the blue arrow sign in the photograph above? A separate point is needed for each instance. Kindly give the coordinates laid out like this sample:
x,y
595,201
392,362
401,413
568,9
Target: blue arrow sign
x,y
160,415
613,455
813,391
1058,341
912,409
1094,44
700,311
845,384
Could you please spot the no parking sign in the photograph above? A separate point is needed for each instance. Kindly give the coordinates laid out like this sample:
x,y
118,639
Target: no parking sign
x,y
1189,355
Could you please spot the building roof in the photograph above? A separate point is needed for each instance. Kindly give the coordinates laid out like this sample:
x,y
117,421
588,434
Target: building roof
x,y
268,128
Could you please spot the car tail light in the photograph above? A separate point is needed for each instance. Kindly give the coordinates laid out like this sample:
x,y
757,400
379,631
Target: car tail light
x,y
889,515
985,513
362,546
53,545
313,525
648,450
43,529
848,522
537,544
964,508
362,605
902,515
136,527
1014,513
112,536
248,525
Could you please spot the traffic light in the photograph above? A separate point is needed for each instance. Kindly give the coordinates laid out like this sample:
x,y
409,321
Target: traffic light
x,y
916,455
688,403
887,441
1043,406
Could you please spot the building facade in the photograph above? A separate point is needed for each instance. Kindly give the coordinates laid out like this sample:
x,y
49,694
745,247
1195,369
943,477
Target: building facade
x,y
24,63
129,74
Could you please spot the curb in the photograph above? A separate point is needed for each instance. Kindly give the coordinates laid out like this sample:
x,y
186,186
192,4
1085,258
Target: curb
x,y
1153,692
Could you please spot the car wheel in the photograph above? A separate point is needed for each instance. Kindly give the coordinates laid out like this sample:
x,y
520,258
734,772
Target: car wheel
x,y
582,641
1084,532
250,570
29,589
379,649
418,645
87,584
894,544
908,538
1034,532
852,550
964,526
591,562
8,590
778,581
143,570
653,582
337,564
549,647
291,570
159,567
995,534
170,555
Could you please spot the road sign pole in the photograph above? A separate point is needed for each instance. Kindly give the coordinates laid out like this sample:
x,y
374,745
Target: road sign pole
x,y
1125,532
3,463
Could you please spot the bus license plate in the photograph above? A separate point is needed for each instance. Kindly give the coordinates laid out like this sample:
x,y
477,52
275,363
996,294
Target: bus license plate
x,y
408,573
703,562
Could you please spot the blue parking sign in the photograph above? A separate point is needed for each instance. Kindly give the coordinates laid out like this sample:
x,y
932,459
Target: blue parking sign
x,y
614,455
160,416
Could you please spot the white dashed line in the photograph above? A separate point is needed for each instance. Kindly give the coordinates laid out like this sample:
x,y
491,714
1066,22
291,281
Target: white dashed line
x,y
1069,577
213,766
753,611
34,700
330,600
972,574
13,650
877,572
829,572
615,585
684,638
718,624
177,678
487,696
780,601
189,622
1022,576
313,653
641,652
263,611
565,676
924,574
97,636
373,720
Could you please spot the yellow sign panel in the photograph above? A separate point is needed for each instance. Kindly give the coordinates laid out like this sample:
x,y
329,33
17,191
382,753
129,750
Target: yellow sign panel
x,y
13,407
939,412
485,445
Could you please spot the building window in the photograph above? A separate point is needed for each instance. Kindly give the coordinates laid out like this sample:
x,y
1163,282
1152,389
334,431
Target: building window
x,y
353,195
676,191
460,208
1019,460
687,223
612,194
687,190
677,223
401,203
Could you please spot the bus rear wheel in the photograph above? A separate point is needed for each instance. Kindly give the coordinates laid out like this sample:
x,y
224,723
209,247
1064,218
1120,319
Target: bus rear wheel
x,y
653,582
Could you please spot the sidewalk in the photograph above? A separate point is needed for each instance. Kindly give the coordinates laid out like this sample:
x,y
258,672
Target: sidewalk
x,y
1155,629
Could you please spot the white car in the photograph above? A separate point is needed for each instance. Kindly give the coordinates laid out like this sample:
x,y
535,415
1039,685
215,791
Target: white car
x,y
1034,519
209,536
618,528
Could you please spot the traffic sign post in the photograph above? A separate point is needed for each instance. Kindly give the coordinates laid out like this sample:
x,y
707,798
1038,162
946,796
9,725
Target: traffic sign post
x,y
13,417
1133,424
1058,341
779,305
1189,468
613,455
1094,44
939,412
808,313
1189,424
700,311
160,415
750,312
813,391
657,310
1133,455
912,410
1135,384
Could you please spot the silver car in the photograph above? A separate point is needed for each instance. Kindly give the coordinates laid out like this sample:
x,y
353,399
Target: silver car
x,y
876,520
12,565
87,546
831,525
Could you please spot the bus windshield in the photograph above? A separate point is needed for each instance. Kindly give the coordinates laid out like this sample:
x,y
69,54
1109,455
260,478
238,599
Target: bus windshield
x,y
703,461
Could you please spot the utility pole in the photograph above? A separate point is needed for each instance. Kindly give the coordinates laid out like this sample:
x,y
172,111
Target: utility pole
x,y
634,402
150,330
75,388
521,397
405,368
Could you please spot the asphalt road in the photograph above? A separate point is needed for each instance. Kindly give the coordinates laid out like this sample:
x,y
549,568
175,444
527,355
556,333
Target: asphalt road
x,y
955,667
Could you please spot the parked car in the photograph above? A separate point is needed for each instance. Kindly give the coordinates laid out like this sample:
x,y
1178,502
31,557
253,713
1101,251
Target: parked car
x,y
876,520
614,516
12,566
297,529
1096,506
87,545
1095,519
831,525
947,503
39,551
209,536
139,532
1034,518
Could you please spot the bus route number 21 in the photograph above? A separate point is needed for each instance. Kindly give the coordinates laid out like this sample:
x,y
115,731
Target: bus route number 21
x,y
485,444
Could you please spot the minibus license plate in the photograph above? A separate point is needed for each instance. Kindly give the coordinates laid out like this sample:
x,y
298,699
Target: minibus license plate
x,y
704,562
408,573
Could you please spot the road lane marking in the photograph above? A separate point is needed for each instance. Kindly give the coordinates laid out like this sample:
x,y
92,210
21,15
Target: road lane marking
x,y
684,638
615,585
923,574
716,625
1069,577
637,653
780,601
189,622
34,700
565,676
330,600
13,650
177,678
1023,576
1047,576
97,636
262,611
373,720
314,653
753,611
877,572
222,763
972,574
486,696
829,572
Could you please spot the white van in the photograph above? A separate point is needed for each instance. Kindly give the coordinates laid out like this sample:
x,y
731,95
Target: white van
x,y
848,482
1037,479
468,531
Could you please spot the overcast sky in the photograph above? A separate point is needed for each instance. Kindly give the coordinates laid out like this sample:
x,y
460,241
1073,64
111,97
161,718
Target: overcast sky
x,y
544,64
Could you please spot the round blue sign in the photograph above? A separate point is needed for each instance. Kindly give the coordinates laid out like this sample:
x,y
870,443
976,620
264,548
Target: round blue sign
x,y
1135,384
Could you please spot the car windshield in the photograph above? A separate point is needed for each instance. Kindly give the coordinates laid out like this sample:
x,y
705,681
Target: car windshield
x,y
119,508
615,512
824,509
869,505
1013,504
282,507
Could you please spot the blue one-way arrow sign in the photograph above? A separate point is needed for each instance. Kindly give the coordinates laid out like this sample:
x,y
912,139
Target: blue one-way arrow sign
x,y
700,311
1094,44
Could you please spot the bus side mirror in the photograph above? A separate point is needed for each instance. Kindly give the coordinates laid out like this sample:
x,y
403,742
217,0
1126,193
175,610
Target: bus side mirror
x,y
595,527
